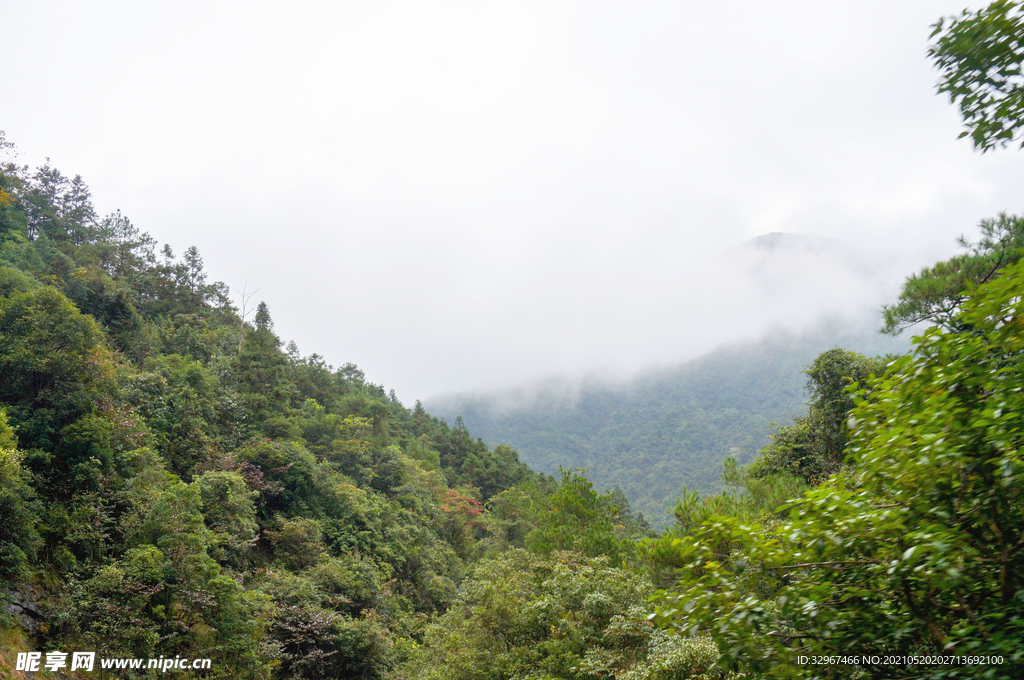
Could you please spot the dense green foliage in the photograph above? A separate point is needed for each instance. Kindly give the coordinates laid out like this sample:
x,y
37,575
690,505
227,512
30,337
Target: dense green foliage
x,y
979,54
813,447
173,482
523,616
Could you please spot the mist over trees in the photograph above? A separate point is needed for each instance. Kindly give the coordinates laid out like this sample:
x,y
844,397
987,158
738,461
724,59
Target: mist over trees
x,y
913,545
176,482
657,434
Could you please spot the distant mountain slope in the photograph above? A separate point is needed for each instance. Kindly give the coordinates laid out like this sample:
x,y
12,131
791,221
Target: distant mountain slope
x,y
673,428
661,432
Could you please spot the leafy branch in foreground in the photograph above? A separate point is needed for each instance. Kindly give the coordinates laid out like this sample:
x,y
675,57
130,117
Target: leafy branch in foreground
x,y
979,54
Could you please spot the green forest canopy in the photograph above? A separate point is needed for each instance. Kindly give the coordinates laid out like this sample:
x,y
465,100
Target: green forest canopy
x,y
172,482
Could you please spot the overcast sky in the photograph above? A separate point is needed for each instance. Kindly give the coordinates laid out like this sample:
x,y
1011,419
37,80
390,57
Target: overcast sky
x,y
471,195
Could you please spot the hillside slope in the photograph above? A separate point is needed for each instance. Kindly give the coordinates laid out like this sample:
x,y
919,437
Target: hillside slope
x,y
174,483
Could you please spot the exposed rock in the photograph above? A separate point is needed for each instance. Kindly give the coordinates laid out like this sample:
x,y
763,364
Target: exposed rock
x,y
23,605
